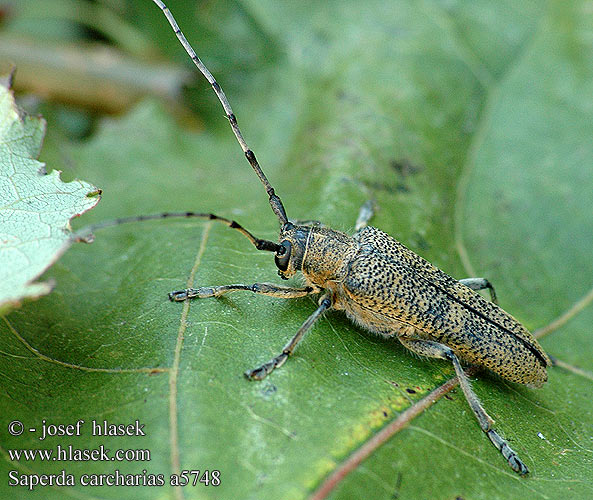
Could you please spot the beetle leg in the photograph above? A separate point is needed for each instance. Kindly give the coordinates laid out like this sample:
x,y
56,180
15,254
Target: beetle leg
x,y
264,370
435,350
480,284
365,214
279,291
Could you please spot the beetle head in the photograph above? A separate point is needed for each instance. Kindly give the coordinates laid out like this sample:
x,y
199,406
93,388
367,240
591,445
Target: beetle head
x,y
293,244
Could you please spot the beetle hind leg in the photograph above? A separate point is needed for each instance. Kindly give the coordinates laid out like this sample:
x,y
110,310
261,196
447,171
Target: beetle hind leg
x,y
433,349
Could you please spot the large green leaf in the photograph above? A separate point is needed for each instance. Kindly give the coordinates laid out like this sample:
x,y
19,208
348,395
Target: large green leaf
x,y
471,125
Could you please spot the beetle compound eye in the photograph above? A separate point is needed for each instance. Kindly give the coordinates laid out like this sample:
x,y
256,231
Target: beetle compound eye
x,y
283,255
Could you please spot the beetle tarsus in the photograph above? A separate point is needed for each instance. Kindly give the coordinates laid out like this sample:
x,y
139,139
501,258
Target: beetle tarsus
x,y
507,452
264,370
178,296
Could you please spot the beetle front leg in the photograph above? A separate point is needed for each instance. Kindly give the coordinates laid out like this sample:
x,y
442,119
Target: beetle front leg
x,y
435,350
279,291
264,370
480,284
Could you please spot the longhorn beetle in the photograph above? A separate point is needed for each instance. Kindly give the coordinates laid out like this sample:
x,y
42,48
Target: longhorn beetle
x,y
382,286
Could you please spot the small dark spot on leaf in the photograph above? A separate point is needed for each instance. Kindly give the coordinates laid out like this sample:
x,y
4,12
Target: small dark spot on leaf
x,y
268,390
410,390
404,167
419,241
381,186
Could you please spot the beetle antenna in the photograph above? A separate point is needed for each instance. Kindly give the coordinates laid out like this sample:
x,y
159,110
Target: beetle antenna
x,y
275,201
85,234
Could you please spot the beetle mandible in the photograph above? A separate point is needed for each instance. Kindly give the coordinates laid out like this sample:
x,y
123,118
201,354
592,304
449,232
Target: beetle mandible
x,y
384,287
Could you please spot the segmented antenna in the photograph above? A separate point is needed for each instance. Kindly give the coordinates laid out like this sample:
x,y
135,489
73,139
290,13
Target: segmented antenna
x,y
275,201
86,234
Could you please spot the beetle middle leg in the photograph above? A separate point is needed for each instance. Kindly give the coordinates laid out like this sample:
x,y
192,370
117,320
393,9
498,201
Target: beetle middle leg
x,y
264,370
435,350
480,284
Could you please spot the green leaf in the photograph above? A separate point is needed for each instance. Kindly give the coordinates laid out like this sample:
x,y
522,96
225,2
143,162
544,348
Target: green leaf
x,y
35,207
470,123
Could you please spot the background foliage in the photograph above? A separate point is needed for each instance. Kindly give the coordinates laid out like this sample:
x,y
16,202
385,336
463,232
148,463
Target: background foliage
x,y
469,122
